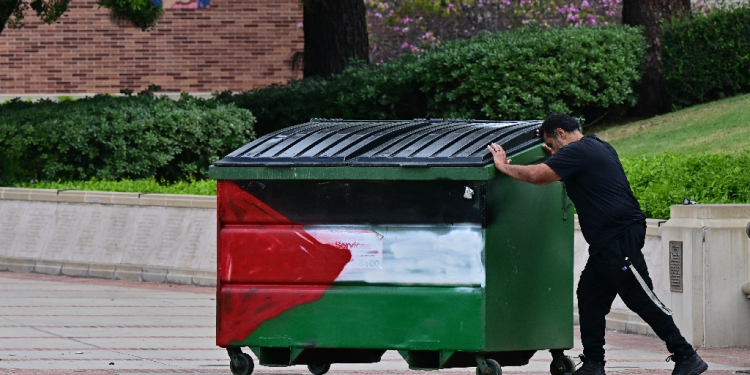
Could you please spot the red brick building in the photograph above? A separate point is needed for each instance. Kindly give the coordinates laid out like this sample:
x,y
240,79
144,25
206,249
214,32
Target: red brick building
x,y
230,45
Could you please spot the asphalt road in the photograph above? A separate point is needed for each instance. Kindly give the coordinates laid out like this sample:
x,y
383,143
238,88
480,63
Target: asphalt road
x,y
62,325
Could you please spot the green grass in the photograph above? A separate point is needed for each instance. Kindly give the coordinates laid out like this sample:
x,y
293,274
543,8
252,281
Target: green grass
x,y
203,187
718,127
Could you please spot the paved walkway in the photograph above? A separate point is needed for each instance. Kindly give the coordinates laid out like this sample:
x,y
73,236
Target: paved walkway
x,y
61,325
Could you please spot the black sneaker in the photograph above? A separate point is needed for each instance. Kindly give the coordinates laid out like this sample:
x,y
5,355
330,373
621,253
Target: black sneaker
x,y
590,367
692,365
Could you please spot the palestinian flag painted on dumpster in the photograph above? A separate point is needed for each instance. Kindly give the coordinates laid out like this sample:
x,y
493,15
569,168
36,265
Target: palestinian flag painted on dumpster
x,y
269,263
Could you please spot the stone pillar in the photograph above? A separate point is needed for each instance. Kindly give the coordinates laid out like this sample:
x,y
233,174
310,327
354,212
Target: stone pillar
x,y
711,310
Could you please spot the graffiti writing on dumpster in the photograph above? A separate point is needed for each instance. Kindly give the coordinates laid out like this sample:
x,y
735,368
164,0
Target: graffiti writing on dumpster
x,y
365,246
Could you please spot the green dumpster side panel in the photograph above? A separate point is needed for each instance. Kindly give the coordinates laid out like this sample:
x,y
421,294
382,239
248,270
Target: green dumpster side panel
x,y
530,267
377,317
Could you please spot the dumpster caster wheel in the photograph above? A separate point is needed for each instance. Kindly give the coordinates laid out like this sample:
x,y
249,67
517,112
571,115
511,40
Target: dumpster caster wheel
x,y
319,369
241,364
493,368
562,365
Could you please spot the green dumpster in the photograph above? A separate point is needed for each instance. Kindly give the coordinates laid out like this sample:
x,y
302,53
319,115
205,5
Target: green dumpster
x,y
339,240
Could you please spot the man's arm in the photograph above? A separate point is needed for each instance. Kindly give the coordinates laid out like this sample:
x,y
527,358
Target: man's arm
x,y
538,174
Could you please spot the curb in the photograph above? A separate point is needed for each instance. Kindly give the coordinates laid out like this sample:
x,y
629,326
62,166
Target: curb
x,y
125,272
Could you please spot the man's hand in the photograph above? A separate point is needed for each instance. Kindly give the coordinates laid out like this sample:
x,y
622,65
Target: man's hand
x,y
498,155
546,148
539,174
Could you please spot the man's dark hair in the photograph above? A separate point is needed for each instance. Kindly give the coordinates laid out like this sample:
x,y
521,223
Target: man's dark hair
x,y
557,120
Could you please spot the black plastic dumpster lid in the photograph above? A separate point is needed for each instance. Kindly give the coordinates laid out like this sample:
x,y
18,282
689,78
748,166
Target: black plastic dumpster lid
x,y
385,143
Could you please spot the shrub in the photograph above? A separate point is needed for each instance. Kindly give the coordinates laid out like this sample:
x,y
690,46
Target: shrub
x,y
362,91
110,138
276,106
513,75
707,57
663,180
529,73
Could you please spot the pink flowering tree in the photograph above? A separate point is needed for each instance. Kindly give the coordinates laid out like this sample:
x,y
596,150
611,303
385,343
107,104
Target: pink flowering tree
x,y
398,26
704,7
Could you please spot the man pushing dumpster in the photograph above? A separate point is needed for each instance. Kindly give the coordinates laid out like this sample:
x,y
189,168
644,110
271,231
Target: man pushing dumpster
x,y
615,228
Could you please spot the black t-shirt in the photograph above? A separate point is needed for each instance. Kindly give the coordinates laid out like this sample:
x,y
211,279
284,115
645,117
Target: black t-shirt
x,y
597,185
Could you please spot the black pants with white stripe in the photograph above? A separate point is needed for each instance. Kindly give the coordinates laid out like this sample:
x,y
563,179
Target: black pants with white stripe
x,y
604,278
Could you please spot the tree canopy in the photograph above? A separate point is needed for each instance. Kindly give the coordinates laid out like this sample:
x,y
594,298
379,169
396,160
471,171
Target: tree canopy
x,y
139,13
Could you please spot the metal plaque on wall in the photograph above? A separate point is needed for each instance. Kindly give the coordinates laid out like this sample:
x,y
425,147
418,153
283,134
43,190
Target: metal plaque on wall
x,y
675,266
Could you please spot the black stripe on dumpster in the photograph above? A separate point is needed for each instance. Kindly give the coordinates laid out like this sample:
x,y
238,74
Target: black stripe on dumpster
x,y
371,202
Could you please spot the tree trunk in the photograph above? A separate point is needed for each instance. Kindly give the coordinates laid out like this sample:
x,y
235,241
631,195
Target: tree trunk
x,y
335,31
6,10
653,98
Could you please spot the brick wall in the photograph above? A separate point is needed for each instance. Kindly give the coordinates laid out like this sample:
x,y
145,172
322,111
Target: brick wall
x,y
232,45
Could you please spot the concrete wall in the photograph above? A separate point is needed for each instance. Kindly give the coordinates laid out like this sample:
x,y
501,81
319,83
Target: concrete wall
x,y
716,263
713,310
172,238
126,236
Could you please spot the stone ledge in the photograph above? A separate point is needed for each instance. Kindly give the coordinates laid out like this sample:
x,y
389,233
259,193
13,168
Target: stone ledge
x,y
97,197
126,272
39,195
204,201
710,211
47,267
179,276
166,200
204,278
71,196
178,200
154,274
19,265
109,198
101,271
652,227
75,269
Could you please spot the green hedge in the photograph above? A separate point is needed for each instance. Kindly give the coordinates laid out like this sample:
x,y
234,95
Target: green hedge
x,y
519,74
529,73
707,57
362,91
108,137
663,180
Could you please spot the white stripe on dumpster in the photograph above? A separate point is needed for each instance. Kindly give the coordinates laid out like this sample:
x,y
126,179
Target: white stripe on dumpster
x,y
408,255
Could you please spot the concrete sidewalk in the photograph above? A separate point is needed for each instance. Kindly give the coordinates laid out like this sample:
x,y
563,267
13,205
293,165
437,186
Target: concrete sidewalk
x,y
63,325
